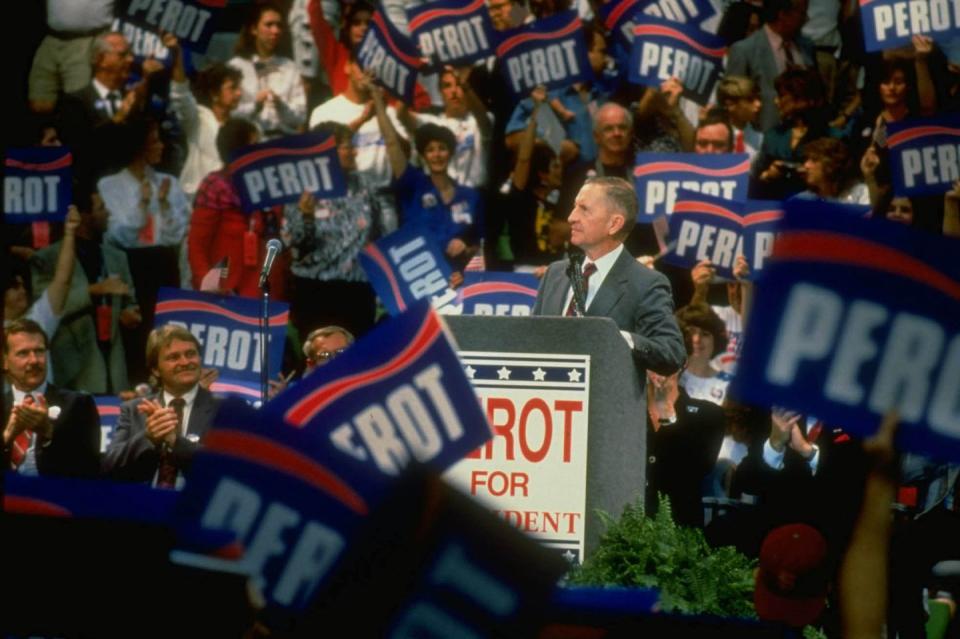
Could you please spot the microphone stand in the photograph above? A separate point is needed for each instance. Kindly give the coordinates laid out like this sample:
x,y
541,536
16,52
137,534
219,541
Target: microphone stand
x,y
264,335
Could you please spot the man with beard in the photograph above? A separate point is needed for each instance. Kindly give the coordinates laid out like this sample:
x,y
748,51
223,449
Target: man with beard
x,y
156,436
47,430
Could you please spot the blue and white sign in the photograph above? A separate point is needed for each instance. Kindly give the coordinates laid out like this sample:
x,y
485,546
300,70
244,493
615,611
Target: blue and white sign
x,y
924,154
664,50
761,218
391,56
498,293
658,176
37,184
888,24
192,21
229,335
551,52
454,32
108,408
619,18
398,394
405,267
145,44
854,318
279,171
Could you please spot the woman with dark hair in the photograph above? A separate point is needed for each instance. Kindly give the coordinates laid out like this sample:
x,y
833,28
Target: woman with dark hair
x,y
326,236
448,212
273,94
334,52
705,336
201,113
828,172
222,236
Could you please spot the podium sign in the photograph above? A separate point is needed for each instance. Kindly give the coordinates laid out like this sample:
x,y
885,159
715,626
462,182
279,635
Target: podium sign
x,y
533,473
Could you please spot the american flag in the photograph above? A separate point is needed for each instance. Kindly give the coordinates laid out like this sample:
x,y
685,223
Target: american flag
x,y
477,262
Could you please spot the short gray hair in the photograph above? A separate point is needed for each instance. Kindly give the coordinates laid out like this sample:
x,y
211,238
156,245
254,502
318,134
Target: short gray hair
x,y
324,331
621,197
101,46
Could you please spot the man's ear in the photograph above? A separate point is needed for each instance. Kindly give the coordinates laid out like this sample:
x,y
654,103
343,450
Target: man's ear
x,y
617,220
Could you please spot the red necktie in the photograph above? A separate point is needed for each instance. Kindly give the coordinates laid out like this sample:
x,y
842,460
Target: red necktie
x,y
815,431
167,472
739,147
588,270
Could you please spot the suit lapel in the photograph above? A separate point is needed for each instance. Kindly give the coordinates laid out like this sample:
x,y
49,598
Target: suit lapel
x,y
202,414
612,288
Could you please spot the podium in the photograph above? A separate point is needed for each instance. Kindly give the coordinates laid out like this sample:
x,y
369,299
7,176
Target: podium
x,y
616,433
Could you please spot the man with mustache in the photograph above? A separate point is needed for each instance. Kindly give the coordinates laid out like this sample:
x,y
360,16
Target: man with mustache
x,y
156,436
47,430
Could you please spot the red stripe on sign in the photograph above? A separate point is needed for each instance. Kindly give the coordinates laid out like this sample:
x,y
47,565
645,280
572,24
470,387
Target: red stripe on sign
x,y
614,16
517,40
397,51
32,506
483,288
673,34
267,452
53,165
662,167
759,217
173,306
902,137
433,14
377,256
693,206
837,248
256,156
304,410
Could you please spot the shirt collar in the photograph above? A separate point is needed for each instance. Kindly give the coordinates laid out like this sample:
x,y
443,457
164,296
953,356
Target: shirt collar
x,y
188,397
101,90
776,40
19,395
605,263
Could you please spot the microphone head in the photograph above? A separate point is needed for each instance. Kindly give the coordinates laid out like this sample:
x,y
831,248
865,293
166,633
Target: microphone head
x,y
275,245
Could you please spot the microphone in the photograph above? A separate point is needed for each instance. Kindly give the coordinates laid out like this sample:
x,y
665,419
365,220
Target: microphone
x,y
274,247
575,273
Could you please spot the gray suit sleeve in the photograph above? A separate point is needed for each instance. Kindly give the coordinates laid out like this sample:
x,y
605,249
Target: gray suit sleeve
x,y
737,60
657,340
130,456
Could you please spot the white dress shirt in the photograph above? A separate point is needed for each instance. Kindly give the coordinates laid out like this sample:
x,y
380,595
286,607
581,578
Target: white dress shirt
x,y
189,398
603,264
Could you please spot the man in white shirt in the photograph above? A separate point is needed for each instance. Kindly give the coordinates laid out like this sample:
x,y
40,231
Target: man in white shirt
x,y
354,108
156,436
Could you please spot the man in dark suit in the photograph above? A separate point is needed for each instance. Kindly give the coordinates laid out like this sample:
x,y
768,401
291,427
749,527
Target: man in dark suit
x,y
156,436
771,50
638,299
47,430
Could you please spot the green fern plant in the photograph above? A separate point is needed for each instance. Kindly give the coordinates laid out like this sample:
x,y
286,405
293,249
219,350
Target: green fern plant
x,y
692,577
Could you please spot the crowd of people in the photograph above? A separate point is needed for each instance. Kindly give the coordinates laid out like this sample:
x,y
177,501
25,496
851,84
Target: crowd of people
x,y
482,175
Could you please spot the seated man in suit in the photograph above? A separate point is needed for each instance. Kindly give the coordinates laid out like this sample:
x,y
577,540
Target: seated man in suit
x,y
156,436
47,430
638,299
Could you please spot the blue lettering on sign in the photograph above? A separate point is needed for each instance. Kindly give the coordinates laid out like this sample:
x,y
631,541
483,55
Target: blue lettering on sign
x,y
191,22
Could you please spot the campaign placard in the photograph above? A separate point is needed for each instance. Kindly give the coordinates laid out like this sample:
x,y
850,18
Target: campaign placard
x,y
37,184
706,228
551,51
498,293
405,267
924,154
108,408
228,329
618,17
454,32
391,56
760,221
888,24
854,318
280,170
396,395
664,50
145,44
658,176
192,21
533,472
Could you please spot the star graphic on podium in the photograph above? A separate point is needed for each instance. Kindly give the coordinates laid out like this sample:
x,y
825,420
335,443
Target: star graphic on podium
x,y
503,373
470,371
539,375
570,556
574,375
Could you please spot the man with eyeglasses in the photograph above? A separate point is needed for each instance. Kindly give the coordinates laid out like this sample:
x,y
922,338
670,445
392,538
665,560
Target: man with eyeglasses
x,y
323,344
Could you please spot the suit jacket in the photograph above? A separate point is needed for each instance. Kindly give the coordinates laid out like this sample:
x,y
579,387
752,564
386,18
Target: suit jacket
x,y
133,457
638,299
754,58
74,450
81,118
77,362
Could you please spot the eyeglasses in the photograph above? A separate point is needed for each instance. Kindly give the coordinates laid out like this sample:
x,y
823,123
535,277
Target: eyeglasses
x,y
322,356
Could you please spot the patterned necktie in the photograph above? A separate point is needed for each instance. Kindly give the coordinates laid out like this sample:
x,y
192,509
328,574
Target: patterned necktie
x,y
21,444
167,472
588,270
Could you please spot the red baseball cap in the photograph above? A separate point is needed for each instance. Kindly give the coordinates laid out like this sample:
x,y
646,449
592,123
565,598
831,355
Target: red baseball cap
x,y
791,583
